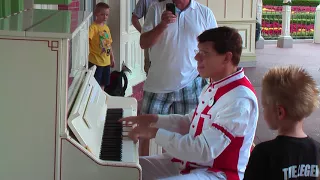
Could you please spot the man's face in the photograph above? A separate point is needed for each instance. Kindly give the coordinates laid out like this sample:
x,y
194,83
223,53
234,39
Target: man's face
x,y
180,3
210,63
102,15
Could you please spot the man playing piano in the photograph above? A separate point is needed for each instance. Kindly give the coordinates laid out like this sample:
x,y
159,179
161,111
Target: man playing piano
x,y
213,141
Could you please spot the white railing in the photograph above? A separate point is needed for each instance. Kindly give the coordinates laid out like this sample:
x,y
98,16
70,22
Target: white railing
x,y
316,35
45,6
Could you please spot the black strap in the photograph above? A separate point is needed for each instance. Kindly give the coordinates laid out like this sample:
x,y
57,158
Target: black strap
x,y
124,76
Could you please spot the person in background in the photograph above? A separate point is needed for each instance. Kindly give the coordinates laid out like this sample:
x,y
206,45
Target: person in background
x,y
213,142
289,95
258,31
139,12
173,84
100,41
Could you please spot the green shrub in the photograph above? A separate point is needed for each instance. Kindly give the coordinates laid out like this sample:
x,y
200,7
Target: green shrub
x,y
298,21
278,15
302,34
302,21
312,3
295,35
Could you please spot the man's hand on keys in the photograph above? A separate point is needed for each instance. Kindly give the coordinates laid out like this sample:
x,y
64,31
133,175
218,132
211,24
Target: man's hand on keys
x,y
143,129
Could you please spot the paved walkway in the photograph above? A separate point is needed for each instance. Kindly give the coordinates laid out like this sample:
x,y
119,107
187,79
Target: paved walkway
x,y
306,55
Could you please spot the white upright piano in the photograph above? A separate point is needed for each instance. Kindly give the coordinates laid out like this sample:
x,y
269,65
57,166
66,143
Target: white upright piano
x,y
55,121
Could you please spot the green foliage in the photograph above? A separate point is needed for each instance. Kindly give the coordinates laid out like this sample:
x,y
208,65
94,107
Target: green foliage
x,y
304,18
312,3
294,35
298,21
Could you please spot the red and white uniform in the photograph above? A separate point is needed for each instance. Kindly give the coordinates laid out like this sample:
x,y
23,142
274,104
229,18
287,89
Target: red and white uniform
x,y
216,137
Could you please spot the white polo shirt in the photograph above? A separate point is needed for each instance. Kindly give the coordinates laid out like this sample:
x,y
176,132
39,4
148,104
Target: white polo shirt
x,y
172,57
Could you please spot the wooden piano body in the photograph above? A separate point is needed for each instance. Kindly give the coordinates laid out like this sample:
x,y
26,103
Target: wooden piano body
x,y
44,80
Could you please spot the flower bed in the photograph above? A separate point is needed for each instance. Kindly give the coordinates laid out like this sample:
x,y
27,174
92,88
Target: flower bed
x,y
302,22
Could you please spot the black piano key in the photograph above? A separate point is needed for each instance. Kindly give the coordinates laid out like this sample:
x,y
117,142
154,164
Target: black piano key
x,y
115,111
111,146
113,116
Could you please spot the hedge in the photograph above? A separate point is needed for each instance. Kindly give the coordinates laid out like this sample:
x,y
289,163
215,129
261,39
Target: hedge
x,y
312,3
275,15
304,21
295,35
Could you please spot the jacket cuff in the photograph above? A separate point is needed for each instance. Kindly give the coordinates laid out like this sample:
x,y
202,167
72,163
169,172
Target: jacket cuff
x,y
163,137
162,120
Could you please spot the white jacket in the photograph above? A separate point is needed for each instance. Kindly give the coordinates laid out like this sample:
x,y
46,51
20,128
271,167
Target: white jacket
x,y
219,133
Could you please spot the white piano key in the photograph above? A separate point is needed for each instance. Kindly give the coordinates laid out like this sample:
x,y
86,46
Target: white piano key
x,y
129,148
128,151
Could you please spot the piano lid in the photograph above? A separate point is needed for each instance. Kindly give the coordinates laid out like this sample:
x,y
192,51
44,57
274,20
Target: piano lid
x,y
88,114
75,87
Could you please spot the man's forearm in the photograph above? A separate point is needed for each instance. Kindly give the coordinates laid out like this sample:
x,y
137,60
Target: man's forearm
x,y
148,39
136,23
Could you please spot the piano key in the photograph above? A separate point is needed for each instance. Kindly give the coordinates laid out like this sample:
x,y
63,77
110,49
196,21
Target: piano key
x,y
128,148
115,111
111,146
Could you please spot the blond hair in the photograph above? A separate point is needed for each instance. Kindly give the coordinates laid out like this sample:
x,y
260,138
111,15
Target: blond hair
x,y
293,88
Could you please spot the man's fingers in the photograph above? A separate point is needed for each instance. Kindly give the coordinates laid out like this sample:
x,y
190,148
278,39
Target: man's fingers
x,y
170,20
166,18
168,13
129,120
134,135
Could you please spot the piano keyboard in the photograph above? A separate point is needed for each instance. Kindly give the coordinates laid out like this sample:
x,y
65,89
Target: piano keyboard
x,y
111,146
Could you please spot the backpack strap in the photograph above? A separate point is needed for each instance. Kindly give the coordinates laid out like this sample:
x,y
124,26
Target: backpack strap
x,y
125,78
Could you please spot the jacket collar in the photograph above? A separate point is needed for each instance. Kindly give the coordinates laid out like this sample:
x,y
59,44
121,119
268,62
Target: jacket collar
x,y
233,77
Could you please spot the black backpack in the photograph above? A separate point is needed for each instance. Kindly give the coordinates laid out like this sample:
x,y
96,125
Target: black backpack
x,y
115,87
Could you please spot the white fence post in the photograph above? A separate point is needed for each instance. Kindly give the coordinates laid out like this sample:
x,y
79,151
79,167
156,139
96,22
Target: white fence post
x,y
260,42
285,40
316,35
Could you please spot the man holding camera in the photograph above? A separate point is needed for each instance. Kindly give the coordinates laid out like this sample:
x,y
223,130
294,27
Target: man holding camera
x,y
170,31
139,12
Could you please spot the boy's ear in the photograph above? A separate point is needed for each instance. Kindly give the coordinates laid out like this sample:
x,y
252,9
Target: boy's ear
x,y
281,112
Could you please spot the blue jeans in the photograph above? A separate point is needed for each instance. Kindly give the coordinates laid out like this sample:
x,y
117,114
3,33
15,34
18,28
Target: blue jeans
x,y
102,74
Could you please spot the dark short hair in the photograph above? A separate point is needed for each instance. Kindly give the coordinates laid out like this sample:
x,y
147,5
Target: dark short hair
x,y
224,39
101,6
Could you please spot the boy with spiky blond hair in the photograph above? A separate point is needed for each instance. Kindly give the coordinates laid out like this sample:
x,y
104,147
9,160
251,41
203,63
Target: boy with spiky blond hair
x,y
289,95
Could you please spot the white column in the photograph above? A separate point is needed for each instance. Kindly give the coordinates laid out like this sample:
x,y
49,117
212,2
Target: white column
x,y
45,6
28,4
285,40
260,42
316,35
